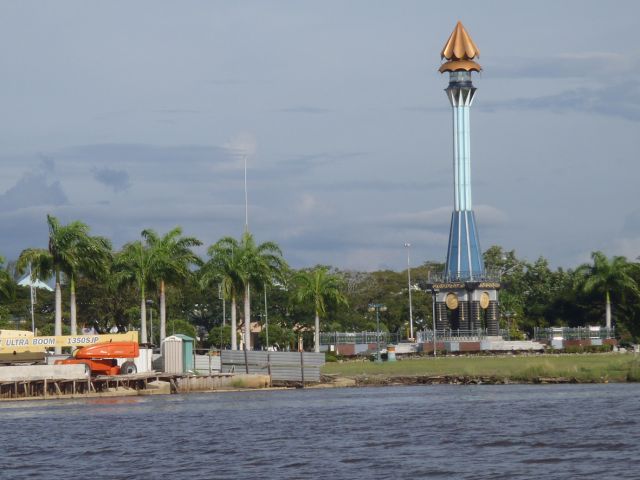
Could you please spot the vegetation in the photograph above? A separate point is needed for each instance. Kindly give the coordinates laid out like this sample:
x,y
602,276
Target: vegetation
x,y
318,287
161,276
583,368
172,259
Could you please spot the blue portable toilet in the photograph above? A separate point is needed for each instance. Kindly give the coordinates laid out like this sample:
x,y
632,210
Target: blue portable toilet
x,y
188,344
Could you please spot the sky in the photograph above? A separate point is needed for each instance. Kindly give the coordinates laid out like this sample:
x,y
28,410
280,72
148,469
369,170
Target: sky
x,y
130,115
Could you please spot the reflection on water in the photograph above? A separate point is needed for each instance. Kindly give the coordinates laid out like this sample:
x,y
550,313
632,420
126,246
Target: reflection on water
x,y
525,431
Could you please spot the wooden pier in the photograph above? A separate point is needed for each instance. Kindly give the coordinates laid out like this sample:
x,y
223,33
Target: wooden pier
x,y
123,385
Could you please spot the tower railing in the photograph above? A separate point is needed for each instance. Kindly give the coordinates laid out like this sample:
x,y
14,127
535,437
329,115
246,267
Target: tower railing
x,y
463,276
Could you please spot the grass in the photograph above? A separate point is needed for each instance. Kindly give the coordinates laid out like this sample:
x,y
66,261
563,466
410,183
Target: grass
x,y
584,367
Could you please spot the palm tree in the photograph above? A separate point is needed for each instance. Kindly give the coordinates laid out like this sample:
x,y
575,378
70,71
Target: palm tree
x,y
6,282
259,264
319,287
93,255
223,267
136,264
173,257
607,276
62,257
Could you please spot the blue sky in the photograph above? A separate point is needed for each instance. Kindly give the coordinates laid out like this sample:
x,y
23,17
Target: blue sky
x,y
134,114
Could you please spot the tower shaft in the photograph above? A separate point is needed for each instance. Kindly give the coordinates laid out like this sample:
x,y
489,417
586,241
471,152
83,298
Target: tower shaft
x,y
464,256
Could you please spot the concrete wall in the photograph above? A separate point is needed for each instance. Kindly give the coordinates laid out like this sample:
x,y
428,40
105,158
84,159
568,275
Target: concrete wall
x,y
41,372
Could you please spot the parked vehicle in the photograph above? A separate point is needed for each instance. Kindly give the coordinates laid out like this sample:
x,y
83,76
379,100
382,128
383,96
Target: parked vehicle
x,y
101,359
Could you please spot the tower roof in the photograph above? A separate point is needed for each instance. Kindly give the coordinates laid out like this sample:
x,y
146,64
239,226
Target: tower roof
x,y
460,52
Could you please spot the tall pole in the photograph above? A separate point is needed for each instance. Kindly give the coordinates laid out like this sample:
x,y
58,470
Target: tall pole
x,y
266,315
247,299
378,334
408,247
151,322
33,316
246,198
433,302
224,311
377,307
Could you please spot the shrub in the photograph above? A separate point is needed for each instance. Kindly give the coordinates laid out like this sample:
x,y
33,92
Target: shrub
x,y
633,374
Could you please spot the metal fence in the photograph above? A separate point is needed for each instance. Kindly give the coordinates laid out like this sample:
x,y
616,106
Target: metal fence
x,y
335,338
206,363
457,334
462,276
573,333
283,366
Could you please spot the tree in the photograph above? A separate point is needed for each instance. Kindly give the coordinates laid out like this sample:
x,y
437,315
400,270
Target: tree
x,y
319,287
607,276
68,248
93,255
173,257
136,264
224,267
259,264
182,327
6,282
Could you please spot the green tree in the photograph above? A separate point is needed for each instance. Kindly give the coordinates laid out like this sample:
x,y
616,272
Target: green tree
x,y
173,258
259,264
318,287
279,335
135,264
69,247
606,276
224,267
93,256
6,282
183,327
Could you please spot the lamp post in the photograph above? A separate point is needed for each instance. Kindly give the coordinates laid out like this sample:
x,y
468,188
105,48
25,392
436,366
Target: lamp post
x,y
377,307
221,297
149,304
408,246
433,314
508,316
266,316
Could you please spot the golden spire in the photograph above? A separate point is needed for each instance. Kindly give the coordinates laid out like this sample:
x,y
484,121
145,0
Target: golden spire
x,y
460,52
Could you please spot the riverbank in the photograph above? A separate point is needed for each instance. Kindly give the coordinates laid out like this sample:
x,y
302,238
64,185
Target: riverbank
x,y
552,368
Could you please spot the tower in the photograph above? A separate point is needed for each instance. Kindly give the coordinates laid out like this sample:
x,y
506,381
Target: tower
x,y
466,296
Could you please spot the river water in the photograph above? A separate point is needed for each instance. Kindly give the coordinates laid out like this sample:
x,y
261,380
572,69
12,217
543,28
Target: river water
x,y
443,431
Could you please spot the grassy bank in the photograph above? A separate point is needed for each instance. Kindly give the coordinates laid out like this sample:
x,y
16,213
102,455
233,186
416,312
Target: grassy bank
x,y
582,368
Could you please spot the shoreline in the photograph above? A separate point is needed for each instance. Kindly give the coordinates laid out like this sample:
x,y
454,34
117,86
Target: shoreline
x,y
391,381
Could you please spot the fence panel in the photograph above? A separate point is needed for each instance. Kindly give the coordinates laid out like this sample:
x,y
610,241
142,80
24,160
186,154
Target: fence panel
x,y
286,366
206,363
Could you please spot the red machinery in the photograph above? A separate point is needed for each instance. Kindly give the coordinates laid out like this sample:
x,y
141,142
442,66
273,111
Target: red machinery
x,y
101,358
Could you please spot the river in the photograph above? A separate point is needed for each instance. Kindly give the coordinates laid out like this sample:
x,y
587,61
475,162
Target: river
x,y
443,431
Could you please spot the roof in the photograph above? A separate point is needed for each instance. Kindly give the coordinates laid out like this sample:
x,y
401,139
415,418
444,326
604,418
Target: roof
x,y
460,50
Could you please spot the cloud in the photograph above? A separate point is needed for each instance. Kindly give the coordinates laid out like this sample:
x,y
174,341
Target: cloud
x,y
440,218
619,100
305,109
627,247
303,163
242,144
567,65
32,189
117,180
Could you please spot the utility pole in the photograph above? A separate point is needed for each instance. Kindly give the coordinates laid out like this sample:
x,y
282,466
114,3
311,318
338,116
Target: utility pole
x,y
411,337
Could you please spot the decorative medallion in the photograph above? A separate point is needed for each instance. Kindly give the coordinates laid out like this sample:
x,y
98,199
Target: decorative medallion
x,y
484,300
452,301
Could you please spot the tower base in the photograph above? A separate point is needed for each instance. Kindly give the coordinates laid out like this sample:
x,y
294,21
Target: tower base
x,y
466,307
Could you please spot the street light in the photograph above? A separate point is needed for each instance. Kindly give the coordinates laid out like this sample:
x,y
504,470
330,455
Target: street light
x,y
377,307
508,316
149,304
266,315
433,313
408,246
221,297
